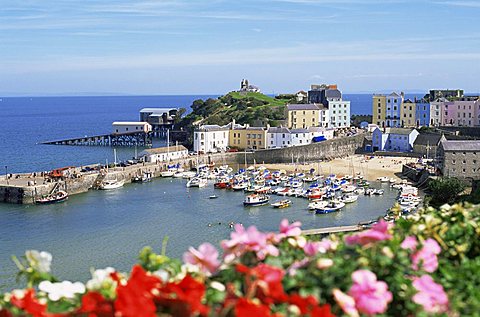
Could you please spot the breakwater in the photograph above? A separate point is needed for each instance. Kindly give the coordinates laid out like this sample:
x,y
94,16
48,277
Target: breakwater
x,y
26,188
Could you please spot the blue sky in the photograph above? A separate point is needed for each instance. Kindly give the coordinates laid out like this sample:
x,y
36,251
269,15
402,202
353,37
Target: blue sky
x,y
207,47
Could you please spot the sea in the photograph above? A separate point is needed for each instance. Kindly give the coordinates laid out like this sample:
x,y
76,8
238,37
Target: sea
x,y
108,228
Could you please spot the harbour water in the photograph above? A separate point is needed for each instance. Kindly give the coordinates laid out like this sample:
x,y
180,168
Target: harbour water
x,y
102,228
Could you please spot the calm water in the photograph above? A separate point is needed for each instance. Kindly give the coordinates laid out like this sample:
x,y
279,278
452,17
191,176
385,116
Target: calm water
x,y
101,228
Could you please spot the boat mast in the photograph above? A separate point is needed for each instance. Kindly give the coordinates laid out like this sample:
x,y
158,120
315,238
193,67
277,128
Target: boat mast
x,y
168,144
115,156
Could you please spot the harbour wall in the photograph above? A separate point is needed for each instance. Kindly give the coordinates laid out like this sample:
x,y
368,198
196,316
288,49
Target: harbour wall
x,y
25,190
325,150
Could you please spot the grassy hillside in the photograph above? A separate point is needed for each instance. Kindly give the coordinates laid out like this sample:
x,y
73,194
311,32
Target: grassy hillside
x,y
245,108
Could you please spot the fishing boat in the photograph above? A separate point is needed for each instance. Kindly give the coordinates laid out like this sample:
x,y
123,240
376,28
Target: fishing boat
x,y
378,192
53,198
213,196
284,203
239,186
111,184
332,206
256,200
197,182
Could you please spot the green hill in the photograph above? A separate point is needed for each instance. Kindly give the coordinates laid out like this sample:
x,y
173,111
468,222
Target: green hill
x,y
243,107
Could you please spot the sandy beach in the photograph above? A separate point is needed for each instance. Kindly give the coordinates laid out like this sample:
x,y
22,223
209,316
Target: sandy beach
x,y
370,168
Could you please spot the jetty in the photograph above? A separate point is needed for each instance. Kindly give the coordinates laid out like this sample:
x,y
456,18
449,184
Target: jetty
x,y
137,138
329,230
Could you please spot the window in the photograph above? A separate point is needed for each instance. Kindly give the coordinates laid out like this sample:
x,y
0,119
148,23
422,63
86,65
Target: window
x,y
248,142
453,161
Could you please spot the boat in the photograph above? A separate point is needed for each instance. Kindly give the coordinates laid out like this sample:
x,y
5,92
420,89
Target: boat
x,y
383,179
378,192
197,182
332,206
239,186
359,190
168,173
284,203
347,199
256,200
111,184
317,204
348,188
189,174
178,174
392,180
213,196
53,198
146,177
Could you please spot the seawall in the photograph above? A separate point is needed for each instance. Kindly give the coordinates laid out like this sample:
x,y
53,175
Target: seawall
x,y
25,189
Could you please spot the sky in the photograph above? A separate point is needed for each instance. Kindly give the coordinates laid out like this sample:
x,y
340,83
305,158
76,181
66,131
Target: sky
x,y
208,47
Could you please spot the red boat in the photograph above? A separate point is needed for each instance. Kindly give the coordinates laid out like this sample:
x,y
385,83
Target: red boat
x,y
221,185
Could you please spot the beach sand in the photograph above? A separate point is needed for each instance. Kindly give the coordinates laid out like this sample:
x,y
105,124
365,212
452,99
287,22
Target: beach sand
x,y
370,168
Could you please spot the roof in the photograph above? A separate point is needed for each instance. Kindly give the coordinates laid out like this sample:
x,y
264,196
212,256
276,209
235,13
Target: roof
x,y
461,145
333,93
401,131
130,123
165,149
157,110
299,131
308,106
278,130
212,127
427,139
394,94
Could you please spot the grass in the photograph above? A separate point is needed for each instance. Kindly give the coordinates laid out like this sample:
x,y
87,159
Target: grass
x,y
259,96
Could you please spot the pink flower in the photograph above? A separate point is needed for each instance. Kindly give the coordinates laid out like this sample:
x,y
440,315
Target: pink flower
x,y
290,230
410,243
427,256
345,302
430,295
378,232
244,240
371,296
311,248
325,245
292,270
206,257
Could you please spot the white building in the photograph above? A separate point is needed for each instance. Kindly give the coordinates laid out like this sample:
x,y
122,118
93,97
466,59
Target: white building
x,y
210,138
394,139
278,137
300,137
130,127
327,133
339,109
165,154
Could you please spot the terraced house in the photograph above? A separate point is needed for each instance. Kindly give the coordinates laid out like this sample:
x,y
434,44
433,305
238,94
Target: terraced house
x,y
301,116
386,109
247,137
460,159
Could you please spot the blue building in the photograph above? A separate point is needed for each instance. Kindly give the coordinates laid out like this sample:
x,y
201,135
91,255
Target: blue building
x,y
393,139
392,112
422,113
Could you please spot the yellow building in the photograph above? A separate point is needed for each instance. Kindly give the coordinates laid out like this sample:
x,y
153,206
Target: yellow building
x,y
379,105
246,137
407,114
303,116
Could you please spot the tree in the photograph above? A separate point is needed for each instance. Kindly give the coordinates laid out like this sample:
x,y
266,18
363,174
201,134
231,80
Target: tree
x,y
445,190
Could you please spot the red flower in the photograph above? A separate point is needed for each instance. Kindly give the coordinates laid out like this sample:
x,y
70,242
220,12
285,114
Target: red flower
x,y
265,281
308,306
5,313
95,305
183,298
244,307
30,304
135,298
